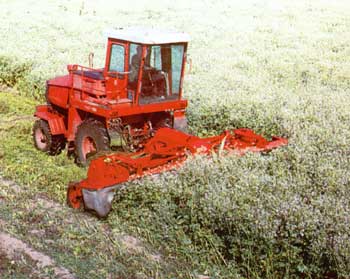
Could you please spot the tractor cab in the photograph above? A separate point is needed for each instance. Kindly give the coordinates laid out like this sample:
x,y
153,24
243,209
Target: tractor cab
x,y
137,92
145,66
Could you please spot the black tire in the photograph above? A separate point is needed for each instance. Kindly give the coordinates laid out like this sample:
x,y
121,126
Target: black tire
x,y
45,141
96,134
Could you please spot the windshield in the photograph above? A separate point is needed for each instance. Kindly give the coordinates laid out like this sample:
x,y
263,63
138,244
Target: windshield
x,y
161,75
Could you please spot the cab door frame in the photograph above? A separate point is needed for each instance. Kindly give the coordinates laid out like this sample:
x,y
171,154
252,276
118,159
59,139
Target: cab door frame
x,y
116,81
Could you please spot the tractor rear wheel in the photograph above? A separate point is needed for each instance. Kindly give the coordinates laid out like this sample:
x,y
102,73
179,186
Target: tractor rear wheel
x,y
91,138
45,141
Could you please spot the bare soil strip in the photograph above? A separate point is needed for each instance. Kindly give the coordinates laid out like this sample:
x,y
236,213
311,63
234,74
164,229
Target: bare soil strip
x,y
12,246
11,184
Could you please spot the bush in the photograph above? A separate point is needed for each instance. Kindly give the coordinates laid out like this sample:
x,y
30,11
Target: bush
x,y
18,75
284,219
32,86
12,71
281,215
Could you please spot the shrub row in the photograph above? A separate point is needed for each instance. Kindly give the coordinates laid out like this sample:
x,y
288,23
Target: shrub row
x,y
280,215
17,74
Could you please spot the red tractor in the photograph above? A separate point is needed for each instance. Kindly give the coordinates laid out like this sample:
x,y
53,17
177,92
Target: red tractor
x,y
138,91
135,104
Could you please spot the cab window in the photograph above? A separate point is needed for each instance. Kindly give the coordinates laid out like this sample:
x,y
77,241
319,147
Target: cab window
x,y
117,60
177,52
156,58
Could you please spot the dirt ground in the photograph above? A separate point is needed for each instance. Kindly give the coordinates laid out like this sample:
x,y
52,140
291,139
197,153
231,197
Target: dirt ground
x,y
17,258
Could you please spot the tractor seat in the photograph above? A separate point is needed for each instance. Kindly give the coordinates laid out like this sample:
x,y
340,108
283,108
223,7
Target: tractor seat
x,y
90,74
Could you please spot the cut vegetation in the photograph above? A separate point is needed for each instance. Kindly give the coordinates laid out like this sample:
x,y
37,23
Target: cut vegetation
x,y
277,67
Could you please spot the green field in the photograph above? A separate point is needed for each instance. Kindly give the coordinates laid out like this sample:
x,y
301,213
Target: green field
x,y
278,67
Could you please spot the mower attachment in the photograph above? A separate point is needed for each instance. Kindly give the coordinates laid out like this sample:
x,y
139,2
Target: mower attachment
x,y
166,150
99,201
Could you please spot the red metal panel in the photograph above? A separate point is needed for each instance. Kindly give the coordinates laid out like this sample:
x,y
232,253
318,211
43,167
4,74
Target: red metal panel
x,y
179,113
89,85
155,107
56,122
58,95
73,123
126,109
57,125
62,81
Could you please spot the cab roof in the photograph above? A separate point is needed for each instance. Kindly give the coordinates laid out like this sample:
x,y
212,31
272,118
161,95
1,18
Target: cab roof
x,y
148,36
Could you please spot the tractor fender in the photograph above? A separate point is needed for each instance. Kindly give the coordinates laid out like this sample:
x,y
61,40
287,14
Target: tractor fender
x,y
55,121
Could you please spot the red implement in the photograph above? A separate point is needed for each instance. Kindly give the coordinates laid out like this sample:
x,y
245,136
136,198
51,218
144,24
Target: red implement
x,y
166,150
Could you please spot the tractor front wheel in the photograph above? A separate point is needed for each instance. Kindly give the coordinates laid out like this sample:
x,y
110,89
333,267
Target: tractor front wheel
x,y
162,120
45,141
91,138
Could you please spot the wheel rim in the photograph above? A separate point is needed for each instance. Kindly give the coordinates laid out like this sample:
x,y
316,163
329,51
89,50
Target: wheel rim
x,y
40,139
88,146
